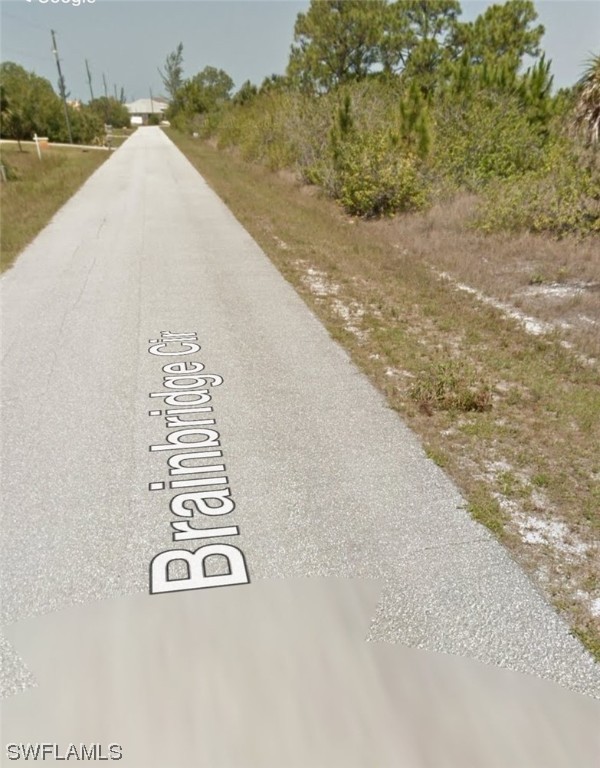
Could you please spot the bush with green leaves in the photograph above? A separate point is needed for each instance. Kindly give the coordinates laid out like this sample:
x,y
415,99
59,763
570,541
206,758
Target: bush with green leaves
x,y
110,111
485,138
228,132
562,197
260,130
182,122
379,145
265,138
30,106
86,125
375,175
338,141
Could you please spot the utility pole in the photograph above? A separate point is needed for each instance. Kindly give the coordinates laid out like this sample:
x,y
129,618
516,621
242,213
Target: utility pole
x,y
61,85
115,88
106,105
89,78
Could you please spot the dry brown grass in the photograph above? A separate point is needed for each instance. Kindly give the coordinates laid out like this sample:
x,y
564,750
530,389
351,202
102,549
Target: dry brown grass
x,y
557,281
526,457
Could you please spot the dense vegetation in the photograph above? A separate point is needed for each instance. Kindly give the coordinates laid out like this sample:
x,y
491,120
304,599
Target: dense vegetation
x,y
30,105
391,105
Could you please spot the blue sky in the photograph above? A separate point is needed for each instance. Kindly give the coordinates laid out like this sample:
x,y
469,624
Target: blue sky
x,y
126,40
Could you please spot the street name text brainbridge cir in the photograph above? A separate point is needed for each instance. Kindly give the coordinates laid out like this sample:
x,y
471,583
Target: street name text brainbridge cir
x,y
192,449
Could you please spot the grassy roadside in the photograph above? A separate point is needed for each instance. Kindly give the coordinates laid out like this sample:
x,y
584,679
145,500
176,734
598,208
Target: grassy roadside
x,y
120,135
36,190
513,418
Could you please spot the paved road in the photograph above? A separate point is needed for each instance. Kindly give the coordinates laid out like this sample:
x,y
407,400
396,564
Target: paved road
x,y
323,498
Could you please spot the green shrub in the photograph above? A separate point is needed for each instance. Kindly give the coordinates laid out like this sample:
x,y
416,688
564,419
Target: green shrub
x,y
259,130
308,125
181,122
189,122
265,139
485,139
562,197
86,125
212,120
374,175
228,131
379,148
110,111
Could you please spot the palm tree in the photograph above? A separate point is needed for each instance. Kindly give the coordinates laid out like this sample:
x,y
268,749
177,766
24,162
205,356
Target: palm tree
x,y
587,107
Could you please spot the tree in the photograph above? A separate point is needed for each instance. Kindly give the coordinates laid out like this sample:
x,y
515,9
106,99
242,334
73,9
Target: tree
x,y
4,111
274,83
486,56
3,100
86,125
246,93
202,93
430,24
587,108
534,91
173,74
215,85
32,106
502,34
336,41
415,35
111,111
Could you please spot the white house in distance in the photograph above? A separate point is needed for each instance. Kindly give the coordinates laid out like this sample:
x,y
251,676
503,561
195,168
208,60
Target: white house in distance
x,y
140,110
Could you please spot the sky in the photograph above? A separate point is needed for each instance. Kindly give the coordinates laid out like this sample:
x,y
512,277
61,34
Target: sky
x,y
127,40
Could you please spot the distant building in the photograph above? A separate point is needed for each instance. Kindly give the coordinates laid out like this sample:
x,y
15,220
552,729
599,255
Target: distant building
x,y
140,110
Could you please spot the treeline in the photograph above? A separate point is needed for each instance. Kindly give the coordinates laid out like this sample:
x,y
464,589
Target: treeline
x,y
391,105
30,105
